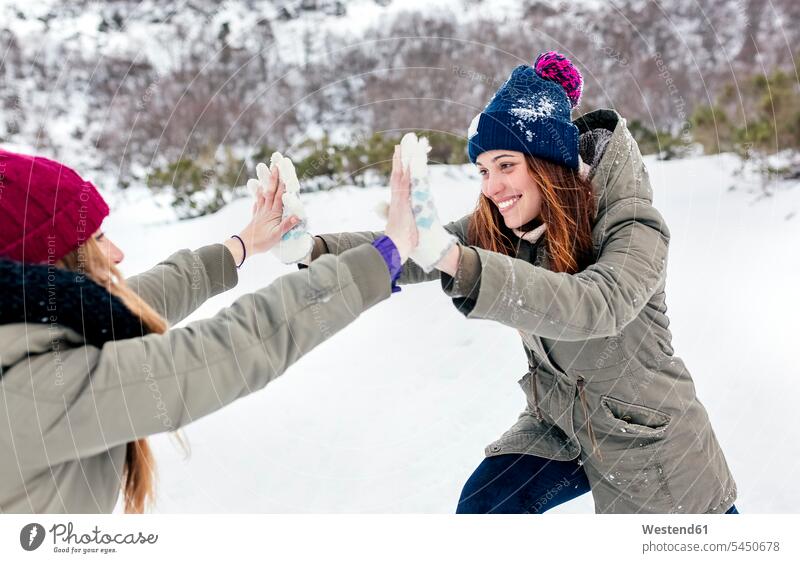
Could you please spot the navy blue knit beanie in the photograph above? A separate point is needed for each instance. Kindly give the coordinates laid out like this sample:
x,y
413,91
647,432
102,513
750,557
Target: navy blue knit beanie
x,y
531,113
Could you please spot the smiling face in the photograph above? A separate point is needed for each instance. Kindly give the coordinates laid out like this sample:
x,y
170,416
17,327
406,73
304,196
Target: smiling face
x,y
507,183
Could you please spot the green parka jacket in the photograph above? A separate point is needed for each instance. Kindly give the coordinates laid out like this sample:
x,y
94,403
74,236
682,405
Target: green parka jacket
x,y
603,383
68,408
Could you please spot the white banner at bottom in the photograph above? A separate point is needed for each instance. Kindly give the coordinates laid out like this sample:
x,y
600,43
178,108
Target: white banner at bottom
x,y
401,538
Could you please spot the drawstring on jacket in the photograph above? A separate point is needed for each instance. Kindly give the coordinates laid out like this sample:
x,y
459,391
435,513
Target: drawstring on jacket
x,y
582,395
532,369
536,411
533,365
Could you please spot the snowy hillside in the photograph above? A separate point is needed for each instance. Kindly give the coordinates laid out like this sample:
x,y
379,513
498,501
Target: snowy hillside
x,y
125,87
127,28
392,414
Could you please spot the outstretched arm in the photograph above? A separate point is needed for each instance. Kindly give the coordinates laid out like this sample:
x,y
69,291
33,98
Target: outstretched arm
x,y
184,281
597,302
336,243
133,388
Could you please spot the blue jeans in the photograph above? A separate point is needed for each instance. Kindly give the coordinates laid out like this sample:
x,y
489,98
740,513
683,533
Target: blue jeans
x,y
523,484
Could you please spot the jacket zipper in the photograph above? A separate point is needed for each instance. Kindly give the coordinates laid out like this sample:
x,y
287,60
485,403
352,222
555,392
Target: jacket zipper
x,y
582,395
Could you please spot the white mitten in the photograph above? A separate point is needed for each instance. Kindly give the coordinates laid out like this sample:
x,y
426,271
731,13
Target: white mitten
x,y
296,244
434,240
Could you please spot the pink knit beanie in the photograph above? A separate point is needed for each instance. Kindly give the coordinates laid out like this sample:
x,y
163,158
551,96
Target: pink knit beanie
x,y
46,209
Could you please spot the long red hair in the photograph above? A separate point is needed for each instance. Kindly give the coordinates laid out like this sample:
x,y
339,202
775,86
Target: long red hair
x,y
568,208
140,468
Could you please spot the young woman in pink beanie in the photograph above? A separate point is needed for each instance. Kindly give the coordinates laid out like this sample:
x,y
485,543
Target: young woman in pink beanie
x,y
88,365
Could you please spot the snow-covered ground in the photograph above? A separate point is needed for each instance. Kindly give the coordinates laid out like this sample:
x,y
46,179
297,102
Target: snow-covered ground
x,y
392,413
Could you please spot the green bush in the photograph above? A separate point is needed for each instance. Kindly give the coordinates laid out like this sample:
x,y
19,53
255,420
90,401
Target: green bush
x,y
712,128
201,185
763,118
324,160
662,143
759,114
204,184
371,155
447,148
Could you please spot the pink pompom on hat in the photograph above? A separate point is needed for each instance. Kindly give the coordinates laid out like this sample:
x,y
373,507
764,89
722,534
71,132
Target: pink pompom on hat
x,y
558,68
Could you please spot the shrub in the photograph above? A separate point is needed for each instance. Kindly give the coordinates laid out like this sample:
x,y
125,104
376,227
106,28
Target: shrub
x,y
202,185
662,143
205,183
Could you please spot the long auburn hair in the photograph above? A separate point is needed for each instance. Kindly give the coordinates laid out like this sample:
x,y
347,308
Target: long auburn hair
x,y
568,208
140,471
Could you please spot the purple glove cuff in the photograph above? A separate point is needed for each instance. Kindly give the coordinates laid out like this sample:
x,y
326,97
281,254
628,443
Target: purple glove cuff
x,y
392,258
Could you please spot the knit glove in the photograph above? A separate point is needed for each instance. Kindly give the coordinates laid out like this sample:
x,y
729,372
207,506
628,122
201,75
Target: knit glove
x,y
296,244
434,240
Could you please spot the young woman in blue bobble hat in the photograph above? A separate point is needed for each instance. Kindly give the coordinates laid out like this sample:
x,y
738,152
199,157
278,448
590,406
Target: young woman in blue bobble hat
x,y
565,246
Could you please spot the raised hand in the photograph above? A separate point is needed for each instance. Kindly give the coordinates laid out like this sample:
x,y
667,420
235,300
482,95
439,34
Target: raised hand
x,y
267,224
400,225
434,240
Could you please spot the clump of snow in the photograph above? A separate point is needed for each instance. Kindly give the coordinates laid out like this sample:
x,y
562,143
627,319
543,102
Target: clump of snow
x,y
473,126
530,110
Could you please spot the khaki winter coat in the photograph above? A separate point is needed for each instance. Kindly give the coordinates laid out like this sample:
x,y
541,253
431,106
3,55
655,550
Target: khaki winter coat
x,y
67,409
603,383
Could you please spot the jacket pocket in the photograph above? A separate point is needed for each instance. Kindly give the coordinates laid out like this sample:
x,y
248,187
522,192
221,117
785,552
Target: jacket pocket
x,y
637,419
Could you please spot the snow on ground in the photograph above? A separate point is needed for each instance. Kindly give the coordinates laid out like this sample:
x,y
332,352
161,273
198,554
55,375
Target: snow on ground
x,y
392,413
